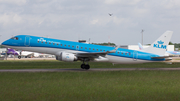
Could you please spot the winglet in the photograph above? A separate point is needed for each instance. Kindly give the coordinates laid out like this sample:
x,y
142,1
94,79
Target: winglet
x,y
114,51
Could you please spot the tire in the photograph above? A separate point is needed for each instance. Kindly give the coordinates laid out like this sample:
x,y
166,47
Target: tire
x,y
19,57
87,67
83,66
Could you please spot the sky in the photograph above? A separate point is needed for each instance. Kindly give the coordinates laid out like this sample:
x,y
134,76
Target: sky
x,y
89,20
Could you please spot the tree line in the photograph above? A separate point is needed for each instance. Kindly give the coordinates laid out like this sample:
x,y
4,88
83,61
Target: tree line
x,y
176,45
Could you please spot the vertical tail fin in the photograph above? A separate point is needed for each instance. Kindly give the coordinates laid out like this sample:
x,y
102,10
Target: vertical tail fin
x,y
140,46
160,45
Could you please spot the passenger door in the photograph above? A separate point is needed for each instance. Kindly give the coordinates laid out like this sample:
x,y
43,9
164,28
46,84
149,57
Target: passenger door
x,y
27,41
135,55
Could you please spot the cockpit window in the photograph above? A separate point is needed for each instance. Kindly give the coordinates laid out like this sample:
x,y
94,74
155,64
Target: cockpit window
x,y
15,38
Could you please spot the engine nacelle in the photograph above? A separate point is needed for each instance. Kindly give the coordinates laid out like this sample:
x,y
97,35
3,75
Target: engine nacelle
x,y
68,57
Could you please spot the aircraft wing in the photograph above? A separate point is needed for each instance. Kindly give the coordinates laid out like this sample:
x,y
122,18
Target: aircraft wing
x,y
91,55
95,54
161,57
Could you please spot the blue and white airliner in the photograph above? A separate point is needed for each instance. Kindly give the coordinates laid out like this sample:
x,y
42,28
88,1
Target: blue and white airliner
x,y
72,51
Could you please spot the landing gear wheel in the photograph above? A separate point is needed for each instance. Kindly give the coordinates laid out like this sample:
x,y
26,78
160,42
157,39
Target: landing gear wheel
x,y
87,67
83,66
19,57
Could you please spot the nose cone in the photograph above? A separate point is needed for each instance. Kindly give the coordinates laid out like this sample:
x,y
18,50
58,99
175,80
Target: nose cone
x,y
5,42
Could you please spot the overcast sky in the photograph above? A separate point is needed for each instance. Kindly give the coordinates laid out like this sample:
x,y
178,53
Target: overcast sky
x,y
84,19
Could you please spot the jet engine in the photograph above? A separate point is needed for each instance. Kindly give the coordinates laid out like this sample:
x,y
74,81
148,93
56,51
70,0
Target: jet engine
x,y
68,57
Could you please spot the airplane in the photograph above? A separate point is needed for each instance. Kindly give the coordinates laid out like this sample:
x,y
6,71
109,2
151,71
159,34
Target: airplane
x,y
42,55
18,53
167,53
110,14
10,52
26,54
29,54
70,51
173,53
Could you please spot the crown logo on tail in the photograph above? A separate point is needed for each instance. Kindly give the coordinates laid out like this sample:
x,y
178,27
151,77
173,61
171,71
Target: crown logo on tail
x,y
160,42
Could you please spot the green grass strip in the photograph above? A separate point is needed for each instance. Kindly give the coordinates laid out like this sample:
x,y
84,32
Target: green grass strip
x,y
91,86
57,64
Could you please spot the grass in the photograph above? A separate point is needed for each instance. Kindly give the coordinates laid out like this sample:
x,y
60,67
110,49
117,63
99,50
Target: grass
x,y
91,86
57,64
88,86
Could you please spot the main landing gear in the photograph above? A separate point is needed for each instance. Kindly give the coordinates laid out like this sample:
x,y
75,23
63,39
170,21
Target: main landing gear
x,y
85,66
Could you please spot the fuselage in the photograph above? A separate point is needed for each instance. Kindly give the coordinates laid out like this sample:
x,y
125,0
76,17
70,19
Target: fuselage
x,y
56,46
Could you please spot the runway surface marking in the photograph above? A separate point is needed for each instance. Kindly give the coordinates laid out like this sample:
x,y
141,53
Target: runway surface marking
x,y
81,70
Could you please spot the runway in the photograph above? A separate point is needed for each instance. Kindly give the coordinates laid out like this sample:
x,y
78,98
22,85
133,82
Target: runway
x,y
90,70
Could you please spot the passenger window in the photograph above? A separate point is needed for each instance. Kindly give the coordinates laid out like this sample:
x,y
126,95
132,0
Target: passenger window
x,y
97,49
129,53
85,48
81,47
89,48
49,43
104,50
73,46
121,52
65,45
46,42
68,45
118,52
93,49
41,41
38,41
61,44
57,44
100,50
53,43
